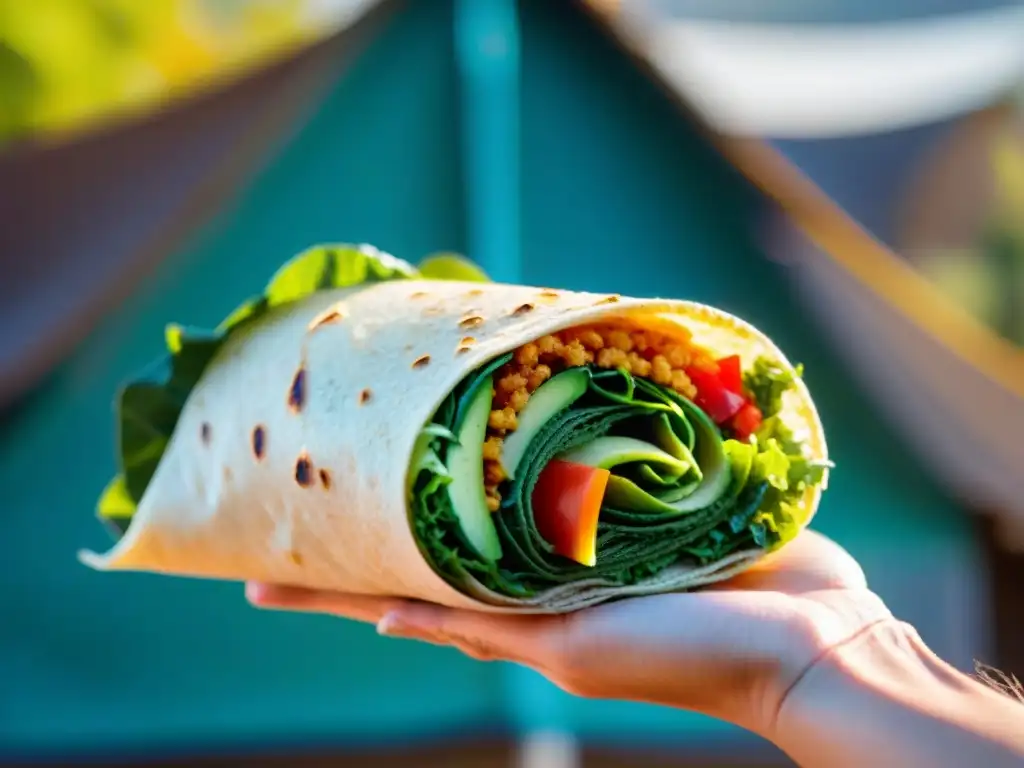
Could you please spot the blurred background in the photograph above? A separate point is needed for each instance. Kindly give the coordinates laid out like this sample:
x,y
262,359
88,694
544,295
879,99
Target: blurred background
x,y
847,175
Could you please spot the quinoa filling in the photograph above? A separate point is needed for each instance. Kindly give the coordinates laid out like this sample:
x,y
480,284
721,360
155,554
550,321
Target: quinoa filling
x,y
646,354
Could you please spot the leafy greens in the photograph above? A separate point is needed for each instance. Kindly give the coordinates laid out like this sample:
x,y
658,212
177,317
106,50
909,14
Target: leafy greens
x,y
646,523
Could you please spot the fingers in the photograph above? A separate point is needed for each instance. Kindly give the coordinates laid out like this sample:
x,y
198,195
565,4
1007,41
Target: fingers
x,y
809,563
488,637
525,640
282,598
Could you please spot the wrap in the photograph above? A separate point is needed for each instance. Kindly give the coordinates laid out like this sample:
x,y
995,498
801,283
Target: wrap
x,y
374,428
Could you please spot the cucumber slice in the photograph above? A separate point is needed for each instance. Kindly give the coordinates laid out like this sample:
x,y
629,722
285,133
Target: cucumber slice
x,y
465,464
609,452
552,397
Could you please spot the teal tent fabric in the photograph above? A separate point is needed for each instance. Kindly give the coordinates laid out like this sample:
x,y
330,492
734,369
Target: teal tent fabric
x,y
135,663
618,194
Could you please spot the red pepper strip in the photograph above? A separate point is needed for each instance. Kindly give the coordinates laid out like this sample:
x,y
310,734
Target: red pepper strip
x,y
730,375
566,504
712,396
746,422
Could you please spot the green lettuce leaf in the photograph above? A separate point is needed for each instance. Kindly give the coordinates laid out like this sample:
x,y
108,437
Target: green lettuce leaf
x,y
149,406
767,382
451,266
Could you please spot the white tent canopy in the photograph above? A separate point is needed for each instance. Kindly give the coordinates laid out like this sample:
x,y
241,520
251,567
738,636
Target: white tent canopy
x,y
828,80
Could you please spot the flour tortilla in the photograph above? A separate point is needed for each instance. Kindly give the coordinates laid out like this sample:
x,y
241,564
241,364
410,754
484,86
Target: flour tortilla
x,y
214,510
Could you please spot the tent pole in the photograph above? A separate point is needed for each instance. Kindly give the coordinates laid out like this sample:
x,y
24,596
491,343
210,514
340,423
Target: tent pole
x,y
487,61
487,50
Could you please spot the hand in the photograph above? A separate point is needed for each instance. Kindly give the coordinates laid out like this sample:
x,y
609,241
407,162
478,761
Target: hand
x,y
732,651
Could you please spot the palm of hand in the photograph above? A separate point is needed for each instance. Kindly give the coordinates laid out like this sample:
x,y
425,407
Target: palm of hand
x,y
732,651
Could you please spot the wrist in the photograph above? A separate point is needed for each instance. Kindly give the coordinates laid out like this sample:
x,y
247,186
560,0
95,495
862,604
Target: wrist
x,y
883,698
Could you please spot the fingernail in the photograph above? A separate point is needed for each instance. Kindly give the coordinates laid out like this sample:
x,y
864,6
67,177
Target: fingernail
x,y
255,592
393,624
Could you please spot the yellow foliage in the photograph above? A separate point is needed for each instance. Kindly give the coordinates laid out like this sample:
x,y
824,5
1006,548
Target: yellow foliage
x,y
1008,166
69,63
